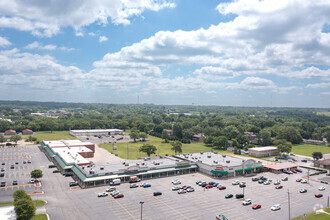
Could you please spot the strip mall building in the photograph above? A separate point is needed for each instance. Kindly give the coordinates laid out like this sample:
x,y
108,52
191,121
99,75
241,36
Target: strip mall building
x,y
71,157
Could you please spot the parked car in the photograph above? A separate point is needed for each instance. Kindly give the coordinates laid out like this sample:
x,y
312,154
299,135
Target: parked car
x,y
102,194
321,188
256,206
303,190
276,207
229,196
221,187
157,193
174,188
279,187
247,202
239,196
236,182
118,196
133,185
181,191
111,189
318,195
190,189
73,184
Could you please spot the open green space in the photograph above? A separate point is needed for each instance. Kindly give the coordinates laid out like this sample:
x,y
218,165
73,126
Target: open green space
x,y
36,202
49,136
313,216
308,149
162,148
39,217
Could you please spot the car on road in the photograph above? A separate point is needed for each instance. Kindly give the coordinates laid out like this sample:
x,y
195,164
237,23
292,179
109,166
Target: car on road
x,y
321,188
284,179
118,196
279,187
276,207
157,193
102,194
111,189
247,202
182,191
239,196
236,182
15,182
318,195
229,196
73,184
133,185
256,206
174,188
303,181
221,187
303,190
190,189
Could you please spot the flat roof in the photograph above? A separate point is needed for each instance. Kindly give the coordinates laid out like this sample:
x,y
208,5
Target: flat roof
x,y
263,148
212,158
71,154
280,166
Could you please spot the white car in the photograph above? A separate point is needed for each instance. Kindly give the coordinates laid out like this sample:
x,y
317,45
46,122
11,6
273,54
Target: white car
x,y
276,207
321,188
103,194
303,181
247,202
236,182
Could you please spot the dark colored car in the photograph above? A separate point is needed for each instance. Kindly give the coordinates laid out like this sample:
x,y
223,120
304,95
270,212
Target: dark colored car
x,y
319,195
239,196
119,196
157,193
73,184
15,182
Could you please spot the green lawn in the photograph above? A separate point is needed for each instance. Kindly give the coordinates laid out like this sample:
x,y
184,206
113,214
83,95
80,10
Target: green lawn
x,y
308,149
36,202
313,216
39,217
49,136
163,148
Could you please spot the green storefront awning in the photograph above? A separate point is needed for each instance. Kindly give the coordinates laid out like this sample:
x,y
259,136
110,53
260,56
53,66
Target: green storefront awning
x,y
217,171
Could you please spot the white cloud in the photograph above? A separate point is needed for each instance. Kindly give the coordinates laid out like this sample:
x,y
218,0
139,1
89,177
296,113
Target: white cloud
x,y
37,45
48,17
102,39
4,42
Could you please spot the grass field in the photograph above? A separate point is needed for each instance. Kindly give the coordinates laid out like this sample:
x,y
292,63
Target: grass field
x,y
36,202
308,149
49,136
39,217
162,148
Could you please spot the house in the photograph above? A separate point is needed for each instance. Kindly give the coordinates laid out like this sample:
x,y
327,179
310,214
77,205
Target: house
x,y
10,132
27,132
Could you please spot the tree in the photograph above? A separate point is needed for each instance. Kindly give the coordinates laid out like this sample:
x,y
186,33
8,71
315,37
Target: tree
x,y
24,208
148,149
165,136
15,138
317,155
176,146
36,174
135,134
143,136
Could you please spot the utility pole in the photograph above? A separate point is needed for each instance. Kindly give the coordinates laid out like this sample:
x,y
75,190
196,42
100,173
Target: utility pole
x,y
289,204
141,208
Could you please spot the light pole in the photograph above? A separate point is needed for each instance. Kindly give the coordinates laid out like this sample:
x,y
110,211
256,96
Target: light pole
x,y
289,204
141,208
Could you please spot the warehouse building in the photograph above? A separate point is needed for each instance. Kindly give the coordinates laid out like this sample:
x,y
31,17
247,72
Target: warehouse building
x,y
96,132
218,165
263,151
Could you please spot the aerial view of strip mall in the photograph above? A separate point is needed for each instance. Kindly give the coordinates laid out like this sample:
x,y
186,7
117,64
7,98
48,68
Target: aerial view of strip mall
x,y
165,110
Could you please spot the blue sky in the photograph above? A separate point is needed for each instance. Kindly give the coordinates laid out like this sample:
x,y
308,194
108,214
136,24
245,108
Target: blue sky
x,y
237,53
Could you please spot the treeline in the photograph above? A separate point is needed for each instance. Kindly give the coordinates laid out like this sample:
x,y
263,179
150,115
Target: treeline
x,y
217,123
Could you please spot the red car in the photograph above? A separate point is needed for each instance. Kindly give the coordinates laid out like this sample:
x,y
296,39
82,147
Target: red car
x,y
118,196
222,187
298,180
256,206
293,171
319,195
208,186
278,187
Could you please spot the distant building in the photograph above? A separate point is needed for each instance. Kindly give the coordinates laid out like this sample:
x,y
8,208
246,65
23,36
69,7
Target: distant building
x,y
93,132
10,132
27,132
263,151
